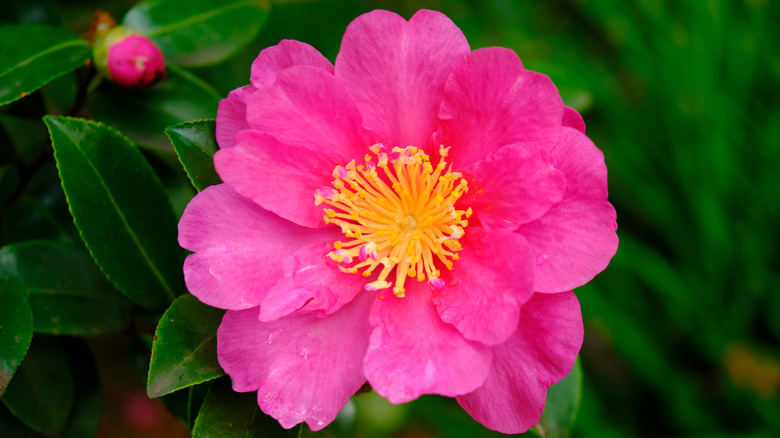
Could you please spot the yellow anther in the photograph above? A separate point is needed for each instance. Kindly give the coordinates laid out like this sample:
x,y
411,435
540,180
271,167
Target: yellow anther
x,y
403,222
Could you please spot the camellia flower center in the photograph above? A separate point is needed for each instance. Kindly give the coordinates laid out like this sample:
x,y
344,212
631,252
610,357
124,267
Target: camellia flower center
x,y
398,213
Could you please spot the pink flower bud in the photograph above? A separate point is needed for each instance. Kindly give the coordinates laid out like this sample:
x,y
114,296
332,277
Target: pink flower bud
x,y
135,61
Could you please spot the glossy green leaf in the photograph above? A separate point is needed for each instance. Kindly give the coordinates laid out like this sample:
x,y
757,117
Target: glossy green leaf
x,y
16,330
68,294
561,405
198,32
120,209
33,54
195,143
41,392
227,414
143,113
184,352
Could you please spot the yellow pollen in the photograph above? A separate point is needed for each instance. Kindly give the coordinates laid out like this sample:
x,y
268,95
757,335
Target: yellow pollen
x,y
398,214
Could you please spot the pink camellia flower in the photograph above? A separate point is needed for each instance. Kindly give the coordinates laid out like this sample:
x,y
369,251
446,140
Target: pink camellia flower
x,y
414,216
135,61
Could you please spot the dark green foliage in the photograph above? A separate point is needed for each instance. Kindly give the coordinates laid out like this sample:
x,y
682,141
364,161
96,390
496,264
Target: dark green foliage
x,y
195,144
681,329
67,293
185,346
33,55
113,196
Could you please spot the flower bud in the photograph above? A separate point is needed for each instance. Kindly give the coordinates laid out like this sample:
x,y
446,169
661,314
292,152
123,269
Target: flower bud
x,y
128,59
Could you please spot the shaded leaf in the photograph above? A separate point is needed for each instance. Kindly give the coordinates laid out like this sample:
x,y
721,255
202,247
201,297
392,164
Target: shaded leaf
x,y
143,113
184,405
40,211
195,143
68,294
198,33
16,327
184,351
28,136
33,11
41,392
12,427
120,209
561,405
39,54
88,399
9,178
227,414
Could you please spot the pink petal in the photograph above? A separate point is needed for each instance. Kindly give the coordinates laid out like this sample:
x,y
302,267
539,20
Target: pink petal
x,y
239,247
491,101
482,294
231,116
573,119
512,186
539,354
396,70
311,283
412,352
280,178
303,367
286,54
308,107
574,240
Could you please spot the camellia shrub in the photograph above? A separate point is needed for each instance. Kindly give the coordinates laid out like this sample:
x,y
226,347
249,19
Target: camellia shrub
x,y
409,219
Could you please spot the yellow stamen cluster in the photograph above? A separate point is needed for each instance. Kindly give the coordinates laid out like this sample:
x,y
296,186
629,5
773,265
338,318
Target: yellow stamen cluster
x,y
397,212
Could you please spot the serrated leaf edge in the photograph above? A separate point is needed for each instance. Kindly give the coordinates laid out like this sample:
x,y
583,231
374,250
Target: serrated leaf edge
x,y
169,291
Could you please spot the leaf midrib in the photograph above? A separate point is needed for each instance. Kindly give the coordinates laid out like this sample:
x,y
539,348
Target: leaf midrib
x,y
51,291
185,360
122,217
24,62
203,16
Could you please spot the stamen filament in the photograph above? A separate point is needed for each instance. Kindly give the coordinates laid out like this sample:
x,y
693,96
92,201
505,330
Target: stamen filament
x,y
398,213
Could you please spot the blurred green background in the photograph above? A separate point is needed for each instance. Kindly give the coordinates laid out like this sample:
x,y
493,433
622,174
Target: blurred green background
x,y
682,329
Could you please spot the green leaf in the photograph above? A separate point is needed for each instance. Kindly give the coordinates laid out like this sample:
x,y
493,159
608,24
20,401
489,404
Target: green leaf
x,y
198,32
12,427
120,209
33,54
41,392
561,405
195,143
144,113
184,352
68,294
28,136
184,405
40,211
16,327
228,414
9,179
